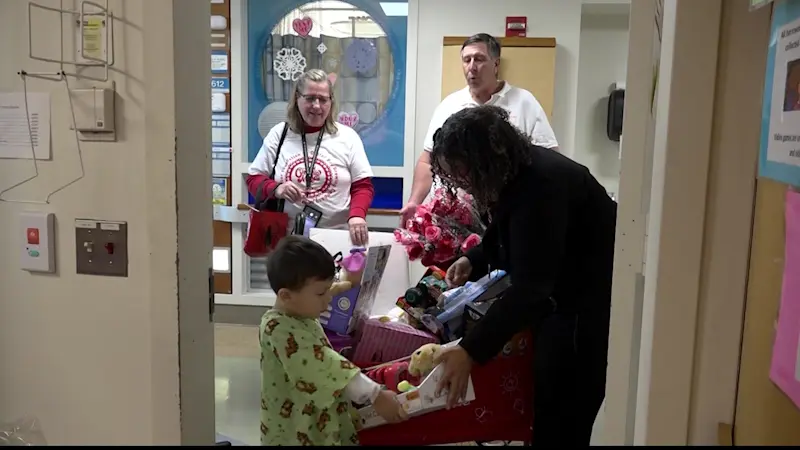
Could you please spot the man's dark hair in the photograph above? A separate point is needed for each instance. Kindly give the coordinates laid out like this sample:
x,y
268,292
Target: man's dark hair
x,y
297,260
492,44
481,150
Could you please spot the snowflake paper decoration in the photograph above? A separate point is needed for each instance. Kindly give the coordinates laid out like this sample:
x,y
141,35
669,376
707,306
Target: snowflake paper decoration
x,y
322,48
289,64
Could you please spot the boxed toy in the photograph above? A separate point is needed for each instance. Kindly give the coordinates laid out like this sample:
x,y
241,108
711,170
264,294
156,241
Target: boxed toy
x,y
444,317
354,305
420,400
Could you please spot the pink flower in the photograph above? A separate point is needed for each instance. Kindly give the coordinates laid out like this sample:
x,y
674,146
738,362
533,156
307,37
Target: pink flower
x,y
405,237
471,241
414,250
413,226
448,240
445,253
424,212
428,259
433,233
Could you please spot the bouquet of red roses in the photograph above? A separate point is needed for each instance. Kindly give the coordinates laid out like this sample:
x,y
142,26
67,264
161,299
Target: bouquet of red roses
x,y
443,228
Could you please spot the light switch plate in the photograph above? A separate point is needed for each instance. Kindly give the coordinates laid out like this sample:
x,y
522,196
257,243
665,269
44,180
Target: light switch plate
x,y
37,242
101,247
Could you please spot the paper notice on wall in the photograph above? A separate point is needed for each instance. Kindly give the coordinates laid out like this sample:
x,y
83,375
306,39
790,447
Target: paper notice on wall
x,y
780,128
23,136
92,43
785,368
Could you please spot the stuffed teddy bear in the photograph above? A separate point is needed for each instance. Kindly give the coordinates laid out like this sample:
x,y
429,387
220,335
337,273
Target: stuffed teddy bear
x,y
340,286
422,360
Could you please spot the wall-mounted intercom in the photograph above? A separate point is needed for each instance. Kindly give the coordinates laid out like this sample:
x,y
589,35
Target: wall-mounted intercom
x,y
94,112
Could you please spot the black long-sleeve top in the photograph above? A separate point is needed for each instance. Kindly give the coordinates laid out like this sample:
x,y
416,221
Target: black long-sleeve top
x,y
552,230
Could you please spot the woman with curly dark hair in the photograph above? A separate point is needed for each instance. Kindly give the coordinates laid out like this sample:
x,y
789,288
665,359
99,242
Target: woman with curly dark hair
x,y
551,227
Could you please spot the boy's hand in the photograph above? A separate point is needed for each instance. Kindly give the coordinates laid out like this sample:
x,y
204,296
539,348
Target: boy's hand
x,y
387,406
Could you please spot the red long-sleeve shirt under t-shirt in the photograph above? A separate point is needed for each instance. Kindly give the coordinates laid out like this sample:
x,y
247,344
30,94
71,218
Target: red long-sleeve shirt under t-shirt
x,y
361,190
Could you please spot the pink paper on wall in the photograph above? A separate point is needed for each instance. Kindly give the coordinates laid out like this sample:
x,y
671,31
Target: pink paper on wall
x,y
785,368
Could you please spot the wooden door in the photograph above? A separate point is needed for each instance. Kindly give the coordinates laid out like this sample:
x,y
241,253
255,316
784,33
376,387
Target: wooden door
x,y
220,41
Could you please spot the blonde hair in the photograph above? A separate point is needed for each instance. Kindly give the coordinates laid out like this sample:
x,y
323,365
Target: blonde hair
x,y
293,116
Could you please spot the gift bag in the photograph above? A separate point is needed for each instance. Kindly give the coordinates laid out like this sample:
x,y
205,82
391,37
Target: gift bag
x,y
264,230
380,342
268,224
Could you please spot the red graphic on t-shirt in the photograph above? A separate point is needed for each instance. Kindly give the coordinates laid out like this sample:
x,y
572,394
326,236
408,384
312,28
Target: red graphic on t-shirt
x,y
323,179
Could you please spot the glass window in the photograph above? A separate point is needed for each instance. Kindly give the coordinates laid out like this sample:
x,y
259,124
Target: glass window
x,y
360,43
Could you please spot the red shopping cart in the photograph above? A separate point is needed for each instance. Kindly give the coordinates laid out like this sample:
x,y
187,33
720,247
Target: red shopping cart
x,y
501,409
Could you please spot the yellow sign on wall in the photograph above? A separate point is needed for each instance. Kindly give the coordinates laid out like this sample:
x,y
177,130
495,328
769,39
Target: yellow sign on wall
x,y
92,39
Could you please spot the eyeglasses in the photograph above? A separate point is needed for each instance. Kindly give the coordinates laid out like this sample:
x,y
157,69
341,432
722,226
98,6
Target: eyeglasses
x,y
310,98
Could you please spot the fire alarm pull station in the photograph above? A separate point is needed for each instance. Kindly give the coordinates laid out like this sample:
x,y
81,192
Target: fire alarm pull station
x,y
101,247
516,26
37,233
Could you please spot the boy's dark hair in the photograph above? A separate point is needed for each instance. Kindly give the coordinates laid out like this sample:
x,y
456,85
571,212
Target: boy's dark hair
x,y
297,260
492,44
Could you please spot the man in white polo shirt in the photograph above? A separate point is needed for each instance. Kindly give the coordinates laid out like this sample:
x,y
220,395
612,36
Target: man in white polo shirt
x,y
480,57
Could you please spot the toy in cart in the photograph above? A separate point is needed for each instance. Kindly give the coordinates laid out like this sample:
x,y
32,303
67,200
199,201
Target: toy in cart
x,y
497,406
416,400
397,351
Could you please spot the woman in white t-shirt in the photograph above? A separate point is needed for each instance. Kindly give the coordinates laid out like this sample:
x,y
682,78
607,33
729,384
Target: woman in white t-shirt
x,y
340,181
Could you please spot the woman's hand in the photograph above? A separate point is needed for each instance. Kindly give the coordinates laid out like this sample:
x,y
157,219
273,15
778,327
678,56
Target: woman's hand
x,y
290,191
358,231
458,273
457,367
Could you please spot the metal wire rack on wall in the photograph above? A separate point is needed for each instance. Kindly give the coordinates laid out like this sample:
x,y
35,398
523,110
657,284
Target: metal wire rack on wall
x,y
95,49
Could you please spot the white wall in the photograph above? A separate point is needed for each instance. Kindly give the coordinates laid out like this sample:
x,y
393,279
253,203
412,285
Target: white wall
x,y
96,358
560,19
603,61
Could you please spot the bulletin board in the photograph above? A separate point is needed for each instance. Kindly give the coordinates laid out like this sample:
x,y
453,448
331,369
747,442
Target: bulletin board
x,y
764,414
528,63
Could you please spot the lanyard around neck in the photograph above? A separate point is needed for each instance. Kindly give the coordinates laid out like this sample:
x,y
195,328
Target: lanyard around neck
x,y
310,165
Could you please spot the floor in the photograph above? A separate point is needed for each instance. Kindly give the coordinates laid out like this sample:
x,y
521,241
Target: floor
x,y
238,385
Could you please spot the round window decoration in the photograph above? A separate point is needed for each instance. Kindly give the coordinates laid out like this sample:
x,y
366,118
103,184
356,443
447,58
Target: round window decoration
x,y
344,41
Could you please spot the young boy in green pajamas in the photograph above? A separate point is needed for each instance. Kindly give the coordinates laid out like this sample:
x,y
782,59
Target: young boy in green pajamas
x,y
306,386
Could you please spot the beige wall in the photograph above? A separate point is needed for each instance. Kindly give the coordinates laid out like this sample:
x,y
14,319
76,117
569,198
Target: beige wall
x,y
698,217
96,358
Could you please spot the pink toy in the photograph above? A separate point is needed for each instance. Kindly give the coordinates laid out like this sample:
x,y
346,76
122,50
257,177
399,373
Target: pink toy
x,y
353,265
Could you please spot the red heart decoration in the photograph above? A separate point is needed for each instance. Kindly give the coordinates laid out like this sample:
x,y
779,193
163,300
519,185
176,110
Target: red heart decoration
x,y
302,26
349,119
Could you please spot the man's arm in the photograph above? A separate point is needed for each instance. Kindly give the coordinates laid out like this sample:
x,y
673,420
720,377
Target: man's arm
x,y
539,128
423,179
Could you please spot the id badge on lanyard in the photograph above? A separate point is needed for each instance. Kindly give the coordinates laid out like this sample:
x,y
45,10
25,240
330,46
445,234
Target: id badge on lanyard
x,y
312,163
311,215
